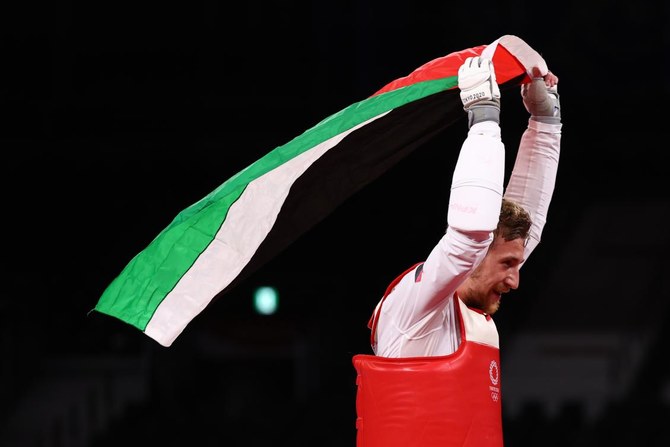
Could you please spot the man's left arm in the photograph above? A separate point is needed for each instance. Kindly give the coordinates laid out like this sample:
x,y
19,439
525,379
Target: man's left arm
x,y
533,178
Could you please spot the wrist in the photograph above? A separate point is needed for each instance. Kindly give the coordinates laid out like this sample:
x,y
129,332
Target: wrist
x,y
484,111
546,119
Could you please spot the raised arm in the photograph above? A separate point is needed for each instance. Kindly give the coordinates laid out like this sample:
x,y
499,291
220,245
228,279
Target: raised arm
x,y
533,177
474,201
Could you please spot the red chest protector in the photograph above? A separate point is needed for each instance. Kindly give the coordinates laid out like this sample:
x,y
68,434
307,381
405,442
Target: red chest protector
x,y
444,401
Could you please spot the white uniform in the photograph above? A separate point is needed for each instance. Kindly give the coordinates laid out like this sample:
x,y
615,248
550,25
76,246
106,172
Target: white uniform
x,y
417,318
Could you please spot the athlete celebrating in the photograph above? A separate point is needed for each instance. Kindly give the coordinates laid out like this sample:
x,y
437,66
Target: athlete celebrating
x,y
435,377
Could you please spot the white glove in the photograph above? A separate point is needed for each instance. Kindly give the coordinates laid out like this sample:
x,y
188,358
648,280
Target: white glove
x,y
477,81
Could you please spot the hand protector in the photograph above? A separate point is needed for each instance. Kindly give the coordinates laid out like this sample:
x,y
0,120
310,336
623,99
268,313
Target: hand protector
x,y
477,81
541,101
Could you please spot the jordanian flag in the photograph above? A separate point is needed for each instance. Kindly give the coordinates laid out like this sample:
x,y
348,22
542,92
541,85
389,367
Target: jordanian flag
x,y
218,241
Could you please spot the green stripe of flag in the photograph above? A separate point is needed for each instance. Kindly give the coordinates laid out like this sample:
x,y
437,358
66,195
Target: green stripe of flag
x,y
143,284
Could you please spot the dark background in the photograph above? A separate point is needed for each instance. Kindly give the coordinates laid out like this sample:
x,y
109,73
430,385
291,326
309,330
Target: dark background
x,y
118,115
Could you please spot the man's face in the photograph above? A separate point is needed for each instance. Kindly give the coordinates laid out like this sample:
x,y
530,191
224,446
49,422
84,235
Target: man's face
x,y
497,274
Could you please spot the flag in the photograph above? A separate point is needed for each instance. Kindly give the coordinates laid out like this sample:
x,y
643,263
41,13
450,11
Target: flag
x,y
212,245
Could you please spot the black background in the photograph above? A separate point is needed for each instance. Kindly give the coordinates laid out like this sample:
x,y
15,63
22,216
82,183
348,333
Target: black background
x,y
118,115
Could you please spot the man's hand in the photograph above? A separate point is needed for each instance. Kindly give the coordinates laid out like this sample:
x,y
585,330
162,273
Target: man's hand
x,y
541,99
477,81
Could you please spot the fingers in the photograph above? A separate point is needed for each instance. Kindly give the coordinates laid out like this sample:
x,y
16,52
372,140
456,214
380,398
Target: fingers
x,y
476,62
550,79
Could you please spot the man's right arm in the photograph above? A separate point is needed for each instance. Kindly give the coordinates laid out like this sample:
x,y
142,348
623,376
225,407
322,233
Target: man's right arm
x,y
475,198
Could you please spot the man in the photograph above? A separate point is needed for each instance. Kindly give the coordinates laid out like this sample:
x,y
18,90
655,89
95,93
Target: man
x,y
435,378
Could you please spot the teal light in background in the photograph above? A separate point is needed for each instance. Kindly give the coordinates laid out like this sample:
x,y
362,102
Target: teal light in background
x,y
266,300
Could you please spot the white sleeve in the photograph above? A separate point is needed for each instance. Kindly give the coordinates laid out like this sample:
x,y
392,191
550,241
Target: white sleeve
x,y
474,210
448,265
533,178
477,182
417,317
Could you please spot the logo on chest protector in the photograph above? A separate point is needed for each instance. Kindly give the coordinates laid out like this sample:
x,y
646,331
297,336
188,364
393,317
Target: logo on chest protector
x,y
494,376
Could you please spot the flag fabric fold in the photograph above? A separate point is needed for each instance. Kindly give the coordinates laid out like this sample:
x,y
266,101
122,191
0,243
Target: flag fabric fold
x,y
215,243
